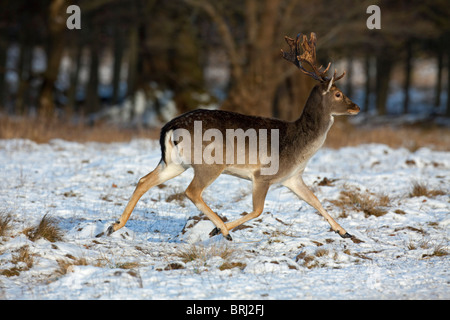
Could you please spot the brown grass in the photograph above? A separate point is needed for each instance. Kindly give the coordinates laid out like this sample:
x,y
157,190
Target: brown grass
x,y
42,130
230,265
342,134
411,137
370,204
439,251
420,189
23,261
5,222
66,266
311,261
179,197
197,252
321,252
47,229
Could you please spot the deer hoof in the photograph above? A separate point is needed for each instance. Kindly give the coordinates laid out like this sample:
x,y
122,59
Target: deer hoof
x,y
214,232
110,229
346,235
217,231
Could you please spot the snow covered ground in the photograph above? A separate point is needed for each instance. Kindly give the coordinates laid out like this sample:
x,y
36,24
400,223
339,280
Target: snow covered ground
x,y
288,252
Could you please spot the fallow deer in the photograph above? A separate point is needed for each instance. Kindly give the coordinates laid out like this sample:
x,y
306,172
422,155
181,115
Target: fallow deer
x,y
298,142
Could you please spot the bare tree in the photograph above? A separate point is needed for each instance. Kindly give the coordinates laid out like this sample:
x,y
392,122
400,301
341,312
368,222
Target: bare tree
x,y
249,32
56,27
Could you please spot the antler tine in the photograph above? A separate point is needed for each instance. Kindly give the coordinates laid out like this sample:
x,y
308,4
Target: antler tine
x,y
307,55
311,74
326,70
294,46
338,78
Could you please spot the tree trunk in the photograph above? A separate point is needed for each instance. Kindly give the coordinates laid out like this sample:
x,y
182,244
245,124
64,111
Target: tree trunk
x,y
408,72
133,56
349,77
133,62
254,74
3,84
250,98
24,72
185,71
447,114
384,67
367,84
56,26
74,79
118,54
253,92
440,66
92,98
291,96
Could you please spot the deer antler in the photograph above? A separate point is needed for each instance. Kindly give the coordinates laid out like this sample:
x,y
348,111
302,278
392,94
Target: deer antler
x,y
308,56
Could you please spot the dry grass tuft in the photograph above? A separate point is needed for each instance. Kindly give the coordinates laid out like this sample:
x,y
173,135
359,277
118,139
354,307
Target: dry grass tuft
x,y
128,265
370,204
178,197
66,266
439,251
5,222
311,261
422,244
420,189
230,265
174,266
22,259
47,229
321,252
196,252
308,260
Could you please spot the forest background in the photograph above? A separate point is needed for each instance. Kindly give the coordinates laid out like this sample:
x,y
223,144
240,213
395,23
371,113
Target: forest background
x,y
134,64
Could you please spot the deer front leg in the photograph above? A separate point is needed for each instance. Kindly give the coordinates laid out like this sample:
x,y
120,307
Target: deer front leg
x,y
297,185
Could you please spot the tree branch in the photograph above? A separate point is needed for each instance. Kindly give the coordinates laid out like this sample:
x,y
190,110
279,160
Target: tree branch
x,y
224,31
251,14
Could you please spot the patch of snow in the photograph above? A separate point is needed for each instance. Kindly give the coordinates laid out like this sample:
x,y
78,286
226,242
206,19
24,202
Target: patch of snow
x,y
288,252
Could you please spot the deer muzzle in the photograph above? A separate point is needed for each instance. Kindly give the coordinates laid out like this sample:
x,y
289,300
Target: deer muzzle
x,y
353,109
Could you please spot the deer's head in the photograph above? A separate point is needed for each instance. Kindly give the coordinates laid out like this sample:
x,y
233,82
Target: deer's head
x,y
332,98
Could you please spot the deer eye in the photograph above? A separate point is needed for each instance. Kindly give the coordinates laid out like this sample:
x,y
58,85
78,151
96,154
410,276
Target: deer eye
x,y
337,94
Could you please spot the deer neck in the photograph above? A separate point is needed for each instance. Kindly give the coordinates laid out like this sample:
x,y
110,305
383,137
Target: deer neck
x,y
314,123
311,128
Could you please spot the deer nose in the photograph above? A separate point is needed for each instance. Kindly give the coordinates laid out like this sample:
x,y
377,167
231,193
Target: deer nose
x,y
354,109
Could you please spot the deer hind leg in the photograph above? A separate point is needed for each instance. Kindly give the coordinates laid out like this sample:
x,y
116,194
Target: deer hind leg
x,y
161,174
258,197
202,179
297,185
